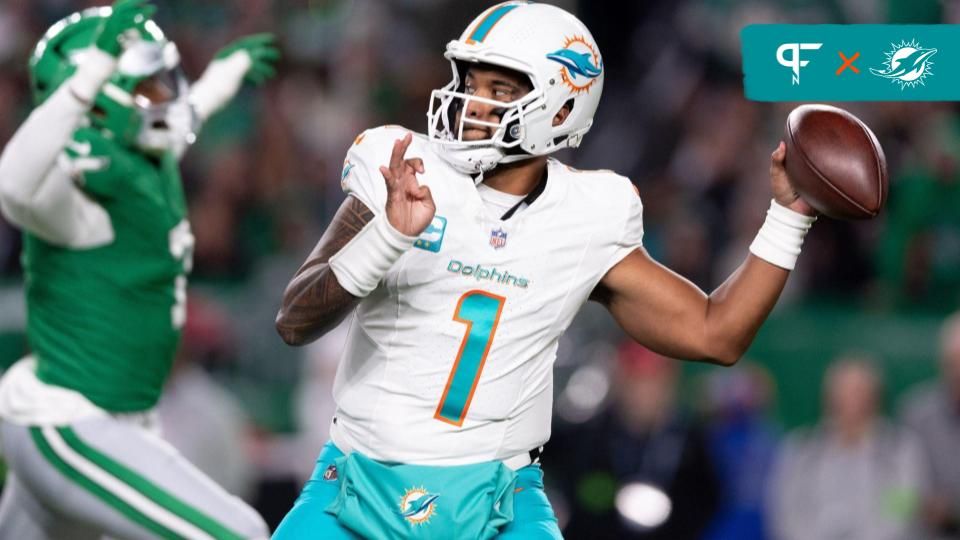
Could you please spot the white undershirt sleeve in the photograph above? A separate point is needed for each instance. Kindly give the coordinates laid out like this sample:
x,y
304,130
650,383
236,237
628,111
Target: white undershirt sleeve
x,y
219,83
37,192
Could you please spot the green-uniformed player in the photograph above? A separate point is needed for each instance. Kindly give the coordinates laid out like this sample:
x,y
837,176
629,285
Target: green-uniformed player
x,y
92,179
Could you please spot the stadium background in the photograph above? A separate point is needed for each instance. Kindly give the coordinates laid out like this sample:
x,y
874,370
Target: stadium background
x,y
263,182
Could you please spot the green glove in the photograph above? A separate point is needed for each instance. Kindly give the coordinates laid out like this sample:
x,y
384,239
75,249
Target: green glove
x,y
263,53
126,14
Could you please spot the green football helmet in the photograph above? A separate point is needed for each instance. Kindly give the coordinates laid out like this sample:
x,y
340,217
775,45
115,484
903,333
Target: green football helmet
x,y
144,103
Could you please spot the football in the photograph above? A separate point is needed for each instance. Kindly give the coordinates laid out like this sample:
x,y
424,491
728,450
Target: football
x,y
835,162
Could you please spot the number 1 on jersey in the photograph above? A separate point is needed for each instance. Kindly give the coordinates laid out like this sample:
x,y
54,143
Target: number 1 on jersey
x,y
480,311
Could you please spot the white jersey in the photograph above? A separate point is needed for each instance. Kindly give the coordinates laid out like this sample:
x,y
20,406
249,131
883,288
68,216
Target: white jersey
x,y
450,360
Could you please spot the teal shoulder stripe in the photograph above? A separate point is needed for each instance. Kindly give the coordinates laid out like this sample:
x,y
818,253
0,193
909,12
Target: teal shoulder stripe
x,y
147,488
108,498
481,31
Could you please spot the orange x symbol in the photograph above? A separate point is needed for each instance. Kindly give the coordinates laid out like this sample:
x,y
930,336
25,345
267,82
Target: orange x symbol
x,y
848,62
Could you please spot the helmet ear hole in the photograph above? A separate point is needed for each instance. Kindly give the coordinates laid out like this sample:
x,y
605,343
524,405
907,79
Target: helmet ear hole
x,y
561,118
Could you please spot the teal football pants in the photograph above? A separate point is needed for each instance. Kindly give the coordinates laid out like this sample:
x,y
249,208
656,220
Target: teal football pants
x,y
533,515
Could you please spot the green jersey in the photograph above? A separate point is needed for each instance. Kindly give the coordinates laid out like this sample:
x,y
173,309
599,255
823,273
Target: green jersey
x,y
106,321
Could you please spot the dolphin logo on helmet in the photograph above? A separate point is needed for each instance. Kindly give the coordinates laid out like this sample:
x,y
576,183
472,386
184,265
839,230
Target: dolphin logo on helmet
x,y
581,64
577,63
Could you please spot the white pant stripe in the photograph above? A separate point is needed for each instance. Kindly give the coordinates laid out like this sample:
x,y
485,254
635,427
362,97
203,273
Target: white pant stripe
x,y
126,493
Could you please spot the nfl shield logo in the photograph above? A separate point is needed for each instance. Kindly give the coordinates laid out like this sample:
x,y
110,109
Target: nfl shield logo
x,y
498,238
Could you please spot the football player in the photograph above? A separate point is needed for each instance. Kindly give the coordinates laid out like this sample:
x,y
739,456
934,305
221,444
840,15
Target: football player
x,y
464,255
92,179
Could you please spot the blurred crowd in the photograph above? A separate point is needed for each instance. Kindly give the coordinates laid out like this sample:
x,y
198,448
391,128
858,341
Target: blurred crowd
x,y
263,181
646,467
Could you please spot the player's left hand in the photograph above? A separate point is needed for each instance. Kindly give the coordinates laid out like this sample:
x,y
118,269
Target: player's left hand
x,y
262,52
251,58
783,192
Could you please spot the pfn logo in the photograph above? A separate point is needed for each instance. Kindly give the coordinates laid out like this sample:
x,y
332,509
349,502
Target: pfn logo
x,y
794,62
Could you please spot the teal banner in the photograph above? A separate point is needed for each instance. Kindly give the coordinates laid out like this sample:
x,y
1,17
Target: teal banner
x,y
858,62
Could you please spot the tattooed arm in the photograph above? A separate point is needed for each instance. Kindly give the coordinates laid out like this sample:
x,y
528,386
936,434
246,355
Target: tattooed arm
x,y
314,302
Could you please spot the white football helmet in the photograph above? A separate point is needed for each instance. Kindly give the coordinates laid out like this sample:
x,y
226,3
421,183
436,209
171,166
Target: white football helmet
x,y
555,50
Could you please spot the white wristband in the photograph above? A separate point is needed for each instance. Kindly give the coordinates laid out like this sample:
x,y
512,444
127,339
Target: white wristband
x,y
781,236
363,262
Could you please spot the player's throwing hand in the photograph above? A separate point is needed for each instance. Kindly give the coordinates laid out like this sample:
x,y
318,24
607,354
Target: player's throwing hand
x,y
783,191
410,206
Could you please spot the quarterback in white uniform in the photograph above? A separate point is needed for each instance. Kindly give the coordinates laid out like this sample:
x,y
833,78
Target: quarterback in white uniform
x,y
450,360
465,254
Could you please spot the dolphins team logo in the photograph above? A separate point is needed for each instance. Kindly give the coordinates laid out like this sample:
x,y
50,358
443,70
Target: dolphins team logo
x,y
581,64
347,167
907,64
418,505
